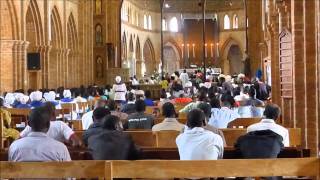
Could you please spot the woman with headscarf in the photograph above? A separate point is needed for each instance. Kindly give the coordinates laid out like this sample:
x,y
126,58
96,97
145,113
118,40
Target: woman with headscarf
x,y
24,102
51,97
36,98
119,90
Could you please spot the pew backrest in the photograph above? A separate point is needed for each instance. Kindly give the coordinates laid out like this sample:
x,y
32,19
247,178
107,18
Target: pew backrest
x,y
243,122
166,139
162,169
143,138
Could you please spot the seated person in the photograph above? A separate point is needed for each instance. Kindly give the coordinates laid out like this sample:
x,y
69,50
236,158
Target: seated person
x,y
202,97
24,103
271,113
8,132
51,97
58,130
114,111
170,122
163,98
36,98
147,100
206,108
95,128
253,101
37,146
67,97
112,143
196,143
87,117
221,117
130,107
139,120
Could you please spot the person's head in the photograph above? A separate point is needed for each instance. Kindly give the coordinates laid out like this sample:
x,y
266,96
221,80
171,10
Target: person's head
x,y
99,113
252,92
272,111
112,105
215,103
140,105
227,100
39,119
112,122
184,71
147,94
202,96
131,96
168,110
51,108
36,96
118,79
101,103
195,118
206,108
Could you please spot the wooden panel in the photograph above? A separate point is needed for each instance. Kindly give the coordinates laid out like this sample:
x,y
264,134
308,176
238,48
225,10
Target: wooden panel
x,y
113,72
243,122
77,169
143,138
295,136
285,63
220,168
166,139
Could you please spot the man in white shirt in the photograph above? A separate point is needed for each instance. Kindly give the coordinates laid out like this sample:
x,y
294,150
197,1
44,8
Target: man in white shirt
x,y
221,117
271,113
58,130
87,119
196,143
170,122
37,146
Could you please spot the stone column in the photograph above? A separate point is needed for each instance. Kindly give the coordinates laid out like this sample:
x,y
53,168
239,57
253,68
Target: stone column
x,y
6,65
65,68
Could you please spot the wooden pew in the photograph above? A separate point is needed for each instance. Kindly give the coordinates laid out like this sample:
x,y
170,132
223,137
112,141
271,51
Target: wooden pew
x,y
160,119
168,138
18,115
221,168
2,138
162,169
243,122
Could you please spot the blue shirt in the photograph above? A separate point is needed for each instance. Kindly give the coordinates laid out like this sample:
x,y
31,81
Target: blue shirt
x,y
66,100
148,102
35,104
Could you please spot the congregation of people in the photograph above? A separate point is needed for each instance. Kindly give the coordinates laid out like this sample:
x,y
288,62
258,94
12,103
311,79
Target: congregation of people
x,y
210,102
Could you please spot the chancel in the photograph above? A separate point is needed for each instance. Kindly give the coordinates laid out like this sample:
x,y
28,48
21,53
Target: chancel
x,y
193,89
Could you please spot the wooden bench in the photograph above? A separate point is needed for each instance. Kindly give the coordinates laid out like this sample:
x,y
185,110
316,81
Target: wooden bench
x,y
243,122
147,138
162,169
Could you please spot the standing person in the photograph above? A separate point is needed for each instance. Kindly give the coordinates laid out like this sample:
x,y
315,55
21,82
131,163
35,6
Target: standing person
x,y
196,143
184,77
37,146
119,90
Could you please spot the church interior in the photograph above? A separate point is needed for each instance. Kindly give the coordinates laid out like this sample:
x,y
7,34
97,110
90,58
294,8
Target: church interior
x,y
49,45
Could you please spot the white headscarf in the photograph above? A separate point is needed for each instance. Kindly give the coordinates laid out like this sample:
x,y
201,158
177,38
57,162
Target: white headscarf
x,y
50,96
9,99
67,93
228,78
36,96
24,99
18,96
118,79
188,84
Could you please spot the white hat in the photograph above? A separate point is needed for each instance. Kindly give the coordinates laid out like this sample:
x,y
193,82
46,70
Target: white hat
x,y
66,93
36,96
17,96
118,79
188,84
50,96
24,99
228,78
241,75
9,99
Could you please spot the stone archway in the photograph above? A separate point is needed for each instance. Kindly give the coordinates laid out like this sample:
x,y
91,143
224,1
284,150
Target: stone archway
x,y
149,58
171,58
138,59
235,60
224,62
9,33
131,64
34,36
124,50
73,68
56,53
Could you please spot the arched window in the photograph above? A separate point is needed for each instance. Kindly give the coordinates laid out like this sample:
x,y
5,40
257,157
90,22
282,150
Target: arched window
x,y
149,23
173,25
226,22
145,22
164,25
235,22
